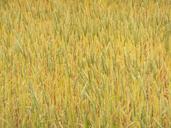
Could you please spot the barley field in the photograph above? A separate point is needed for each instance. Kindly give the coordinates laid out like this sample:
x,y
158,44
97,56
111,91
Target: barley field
x,y
85,64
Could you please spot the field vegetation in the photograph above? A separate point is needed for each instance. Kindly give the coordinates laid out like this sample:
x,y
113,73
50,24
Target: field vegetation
x,y
85,63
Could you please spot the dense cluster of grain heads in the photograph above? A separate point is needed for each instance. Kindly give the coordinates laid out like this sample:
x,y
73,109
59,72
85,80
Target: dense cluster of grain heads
x,y
85,63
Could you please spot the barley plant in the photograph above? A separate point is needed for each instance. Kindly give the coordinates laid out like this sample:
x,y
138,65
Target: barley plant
x,y
85,64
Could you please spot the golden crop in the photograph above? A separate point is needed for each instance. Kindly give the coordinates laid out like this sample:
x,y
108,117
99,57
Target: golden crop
x,y
85,63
